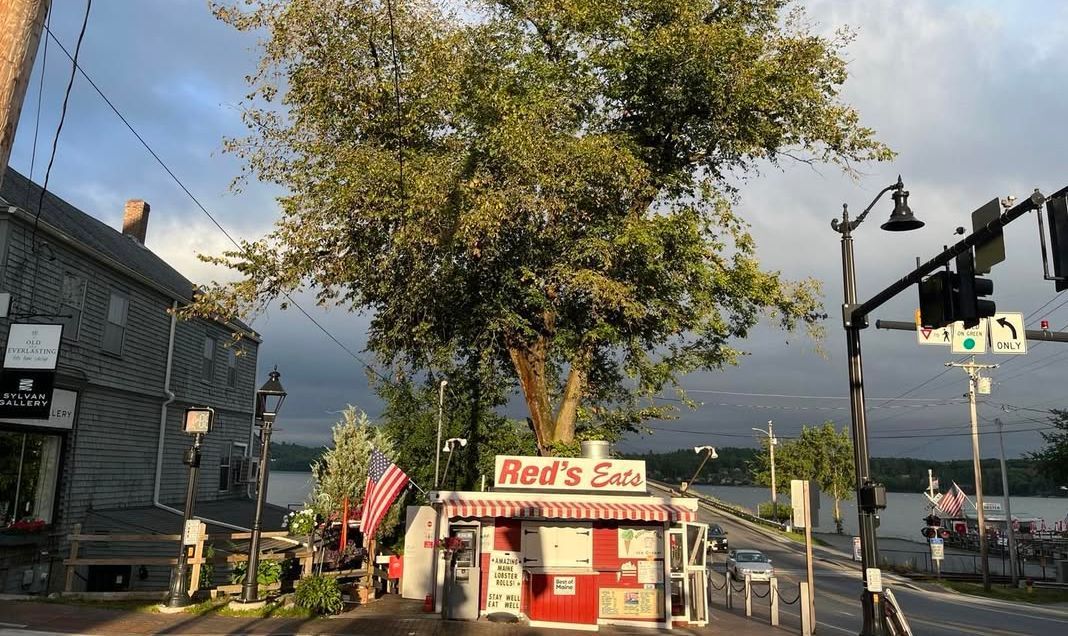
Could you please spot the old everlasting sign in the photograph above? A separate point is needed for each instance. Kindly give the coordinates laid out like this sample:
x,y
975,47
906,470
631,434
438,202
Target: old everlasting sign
x,y
33,347
569,473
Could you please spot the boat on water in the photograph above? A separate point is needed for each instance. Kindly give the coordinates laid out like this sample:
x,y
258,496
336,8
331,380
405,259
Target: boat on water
x,y
953,517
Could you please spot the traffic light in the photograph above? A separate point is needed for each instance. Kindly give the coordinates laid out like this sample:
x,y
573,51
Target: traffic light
x,y
969,306
1057,214
936,300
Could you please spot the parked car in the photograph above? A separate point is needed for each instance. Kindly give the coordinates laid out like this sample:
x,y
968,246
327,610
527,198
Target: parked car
x,y
717,538
751,562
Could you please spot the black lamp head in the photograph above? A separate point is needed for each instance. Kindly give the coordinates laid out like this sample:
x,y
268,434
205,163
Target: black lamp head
x,y
901,219
270,396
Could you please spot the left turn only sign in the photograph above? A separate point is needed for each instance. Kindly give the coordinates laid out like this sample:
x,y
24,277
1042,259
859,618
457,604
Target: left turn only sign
x,y
1007,335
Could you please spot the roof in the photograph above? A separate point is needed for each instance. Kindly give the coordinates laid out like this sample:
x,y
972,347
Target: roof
x,y
235,512
61,217
564,506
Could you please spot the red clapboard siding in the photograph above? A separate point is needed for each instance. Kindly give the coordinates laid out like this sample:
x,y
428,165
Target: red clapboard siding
x,y
507,534
578,608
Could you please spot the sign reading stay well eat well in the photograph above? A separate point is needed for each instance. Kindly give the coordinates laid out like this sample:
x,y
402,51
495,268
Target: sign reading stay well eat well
x,y
569,473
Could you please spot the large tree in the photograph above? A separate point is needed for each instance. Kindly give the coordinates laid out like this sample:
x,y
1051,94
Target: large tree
x,y
820,454
1054,456
540,187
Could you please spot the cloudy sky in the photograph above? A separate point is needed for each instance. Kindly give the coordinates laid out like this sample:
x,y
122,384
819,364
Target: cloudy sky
x,y
971,94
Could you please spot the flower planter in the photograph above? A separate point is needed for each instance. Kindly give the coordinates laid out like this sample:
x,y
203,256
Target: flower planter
x,y
13,539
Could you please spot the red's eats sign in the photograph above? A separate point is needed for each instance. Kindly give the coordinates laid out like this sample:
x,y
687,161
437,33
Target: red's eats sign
x,y
569,473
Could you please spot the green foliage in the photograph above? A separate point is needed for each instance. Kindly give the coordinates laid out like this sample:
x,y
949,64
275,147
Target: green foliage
x,y
731,468
319,594
207,569
267,572
778,512
1054,457
342,471
301,522
552,202
294,457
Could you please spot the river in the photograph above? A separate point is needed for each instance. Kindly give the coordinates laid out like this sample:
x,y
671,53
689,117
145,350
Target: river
x,y
902,518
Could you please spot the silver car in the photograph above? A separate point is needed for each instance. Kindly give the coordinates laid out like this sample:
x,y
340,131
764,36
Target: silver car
x,y
749,562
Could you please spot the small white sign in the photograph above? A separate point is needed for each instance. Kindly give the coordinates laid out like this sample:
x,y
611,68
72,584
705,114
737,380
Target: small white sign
x,y
33,347
1007,334
940,337
564,585
991,506
856,549
192,532
938,549
505,587
650,571
874,576
969,340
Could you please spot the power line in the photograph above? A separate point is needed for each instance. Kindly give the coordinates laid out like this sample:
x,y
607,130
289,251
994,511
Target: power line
x,y
193,197
802,397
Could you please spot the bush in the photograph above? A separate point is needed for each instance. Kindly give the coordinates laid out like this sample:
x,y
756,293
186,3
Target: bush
x,y
782,512
207,570
267,573
319,594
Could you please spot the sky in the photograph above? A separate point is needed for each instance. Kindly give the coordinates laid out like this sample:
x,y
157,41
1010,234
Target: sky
x,y
970,94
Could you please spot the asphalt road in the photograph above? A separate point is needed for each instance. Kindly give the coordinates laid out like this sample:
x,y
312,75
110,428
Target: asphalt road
x,y
838,586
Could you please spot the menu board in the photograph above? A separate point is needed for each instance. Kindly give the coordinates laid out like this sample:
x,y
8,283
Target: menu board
x,y
650,571
505,589
631,603
640,543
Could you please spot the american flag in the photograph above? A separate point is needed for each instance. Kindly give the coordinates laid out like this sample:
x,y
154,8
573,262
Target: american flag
x,y
952,503
384,482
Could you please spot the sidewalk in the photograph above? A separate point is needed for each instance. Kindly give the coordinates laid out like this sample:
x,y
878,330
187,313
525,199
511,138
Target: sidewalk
x,y
389,616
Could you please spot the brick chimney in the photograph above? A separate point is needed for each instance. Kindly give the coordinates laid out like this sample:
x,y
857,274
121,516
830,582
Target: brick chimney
x,y
135,220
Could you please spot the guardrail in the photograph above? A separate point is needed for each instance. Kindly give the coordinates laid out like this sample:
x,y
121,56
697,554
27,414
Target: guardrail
x,y
721,506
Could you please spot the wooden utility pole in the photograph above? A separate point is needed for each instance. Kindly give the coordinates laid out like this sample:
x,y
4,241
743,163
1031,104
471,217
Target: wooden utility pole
x,y
21,24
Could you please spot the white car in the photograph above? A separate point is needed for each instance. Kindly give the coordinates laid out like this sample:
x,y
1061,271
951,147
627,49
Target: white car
x,y
753,563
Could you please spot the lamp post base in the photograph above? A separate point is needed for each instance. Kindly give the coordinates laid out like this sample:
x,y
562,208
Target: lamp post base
x,y
247,606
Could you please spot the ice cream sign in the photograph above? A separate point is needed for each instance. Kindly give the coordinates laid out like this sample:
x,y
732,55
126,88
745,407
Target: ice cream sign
x,y
569,473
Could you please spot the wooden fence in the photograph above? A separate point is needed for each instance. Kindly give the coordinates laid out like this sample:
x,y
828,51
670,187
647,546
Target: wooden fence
x,y
194,555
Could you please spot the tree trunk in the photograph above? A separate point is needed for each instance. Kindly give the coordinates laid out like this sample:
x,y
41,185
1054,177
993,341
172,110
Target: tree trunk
x,y
529,361
564,428
837,512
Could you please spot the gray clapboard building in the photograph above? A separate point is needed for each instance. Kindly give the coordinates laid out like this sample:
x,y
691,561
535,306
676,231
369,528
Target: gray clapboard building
x,y
110,455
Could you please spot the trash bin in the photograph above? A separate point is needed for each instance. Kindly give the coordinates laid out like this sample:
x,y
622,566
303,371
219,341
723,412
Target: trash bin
x,y
1062,571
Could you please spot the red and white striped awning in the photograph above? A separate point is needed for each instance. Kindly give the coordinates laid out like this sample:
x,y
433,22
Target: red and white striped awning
x,y
587,510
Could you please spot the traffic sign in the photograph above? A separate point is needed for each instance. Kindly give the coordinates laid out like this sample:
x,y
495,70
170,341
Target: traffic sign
x,y
1007,334
969,340
928,336
938,549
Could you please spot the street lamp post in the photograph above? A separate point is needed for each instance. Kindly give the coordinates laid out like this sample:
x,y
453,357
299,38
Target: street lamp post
x,y
711,454
268,402
437,448
198,422
871,497
771,451
450,446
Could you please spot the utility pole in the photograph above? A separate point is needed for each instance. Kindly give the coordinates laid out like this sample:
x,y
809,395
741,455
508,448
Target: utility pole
x,y
1008,509
973,369
23,22
771,451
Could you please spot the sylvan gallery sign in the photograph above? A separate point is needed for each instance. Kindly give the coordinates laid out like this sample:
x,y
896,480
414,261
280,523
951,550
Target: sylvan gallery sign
x,y
569,473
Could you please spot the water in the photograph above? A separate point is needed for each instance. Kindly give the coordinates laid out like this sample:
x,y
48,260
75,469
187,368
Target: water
x,y
284,487
903,517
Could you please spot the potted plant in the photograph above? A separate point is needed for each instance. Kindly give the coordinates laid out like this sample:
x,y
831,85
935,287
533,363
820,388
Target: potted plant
x,y
26,531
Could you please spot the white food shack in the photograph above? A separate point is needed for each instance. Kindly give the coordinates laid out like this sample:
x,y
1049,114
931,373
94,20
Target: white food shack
x,y
560,542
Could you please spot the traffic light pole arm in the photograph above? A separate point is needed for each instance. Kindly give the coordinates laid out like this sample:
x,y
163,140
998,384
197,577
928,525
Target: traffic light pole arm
x,y
990,230
1032,334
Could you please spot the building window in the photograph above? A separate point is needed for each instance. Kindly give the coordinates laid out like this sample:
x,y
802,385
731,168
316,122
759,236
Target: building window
x,y
207,372
72,304
230,466
231,367
115,326
29,467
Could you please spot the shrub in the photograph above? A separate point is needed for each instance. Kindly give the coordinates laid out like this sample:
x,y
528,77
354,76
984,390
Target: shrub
x,y
319,594
781,512
207,570
267,573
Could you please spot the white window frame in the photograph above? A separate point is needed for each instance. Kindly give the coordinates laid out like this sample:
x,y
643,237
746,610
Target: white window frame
x,y
237,452
72,330
108,323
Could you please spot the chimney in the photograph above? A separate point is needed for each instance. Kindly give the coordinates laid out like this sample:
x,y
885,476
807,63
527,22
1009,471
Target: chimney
x,y
135,220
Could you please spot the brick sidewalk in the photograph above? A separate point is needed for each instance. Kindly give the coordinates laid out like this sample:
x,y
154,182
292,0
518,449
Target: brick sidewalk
x,y
390,616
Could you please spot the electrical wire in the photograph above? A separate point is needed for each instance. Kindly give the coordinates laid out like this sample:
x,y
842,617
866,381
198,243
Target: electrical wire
x,y
40,94
52,156
200,206
802,397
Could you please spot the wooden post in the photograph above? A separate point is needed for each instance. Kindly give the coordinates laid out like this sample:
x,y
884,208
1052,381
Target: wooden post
x,y
23,22
748,595
773,591
308,561
808,554
727,590
198,559
806,610
68,585
344,540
